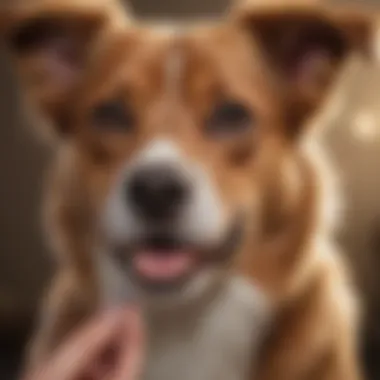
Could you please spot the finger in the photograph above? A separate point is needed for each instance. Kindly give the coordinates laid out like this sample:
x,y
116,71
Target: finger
x,y
78,352
131,356
105,364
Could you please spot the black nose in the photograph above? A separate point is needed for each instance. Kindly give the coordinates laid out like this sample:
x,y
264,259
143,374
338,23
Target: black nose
x,y
157,192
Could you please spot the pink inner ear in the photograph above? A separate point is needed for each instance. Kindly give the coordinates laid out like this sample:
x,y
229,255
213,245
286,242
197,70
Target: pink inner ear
x,y
60,60
310,65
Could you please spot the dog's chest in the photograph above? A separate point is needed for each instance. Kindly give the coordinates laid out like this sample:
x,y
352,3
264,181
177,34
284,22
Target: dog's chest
x,y
220,344
217,341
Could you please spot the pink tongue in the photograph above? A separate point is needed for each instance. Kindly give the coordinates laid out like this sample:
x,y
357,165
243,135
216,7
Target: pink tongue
x,y
162,266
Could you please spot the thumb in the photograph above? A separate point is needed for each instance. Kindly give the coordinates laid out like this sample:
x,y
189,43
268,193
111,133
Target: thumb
x,y
132,348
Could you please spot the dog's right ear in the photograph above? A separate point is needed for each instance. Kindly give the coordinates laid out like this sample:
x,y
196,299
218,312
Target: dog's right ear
x,y
305,44
51,42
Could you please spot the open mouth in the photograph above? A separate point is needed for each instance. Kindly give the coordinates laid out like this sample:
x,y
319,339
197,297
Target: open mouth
x,y
162,262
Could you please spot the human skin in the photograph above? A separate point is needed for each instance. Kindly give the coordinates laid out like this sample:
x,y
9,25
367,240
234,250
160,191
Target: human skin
x,y
110,347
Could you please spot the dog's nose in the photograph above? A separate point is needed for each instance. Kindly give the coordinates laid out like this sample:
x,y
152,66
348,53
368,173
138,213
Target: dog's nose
x,y
157,192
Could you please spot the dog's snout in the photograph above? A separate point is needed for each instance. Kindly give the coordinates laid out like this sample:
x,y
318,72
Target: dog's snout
x,y
157,191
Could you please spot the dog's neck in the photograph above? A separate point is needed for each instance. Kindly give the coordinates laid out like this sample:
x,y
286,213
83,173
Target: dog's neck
x,y
221,342
212,337
291,234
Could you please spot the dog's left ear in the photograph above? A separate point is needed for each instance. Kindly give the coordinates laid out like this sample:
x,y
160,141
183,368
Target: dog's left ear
x,y
304,45
51,43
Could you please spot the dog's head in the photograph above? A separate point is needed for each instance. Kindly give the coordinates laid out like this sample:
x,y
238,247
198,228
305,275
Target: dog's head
x,y
170,129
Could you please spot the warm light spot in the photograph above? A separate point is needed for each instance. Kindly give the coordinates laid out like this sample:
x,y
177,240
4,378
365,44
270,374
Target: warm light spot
x,y
365,126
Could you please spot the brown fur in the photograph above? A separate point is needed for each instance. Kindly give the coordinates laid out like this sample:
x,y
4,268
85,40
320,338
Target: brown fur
x,y
314,332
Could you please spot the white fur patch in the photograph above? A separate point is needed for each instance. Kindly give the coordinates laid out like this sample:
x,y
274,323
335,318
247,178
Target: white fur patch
x,y
116,287
219,343
203,220
218,340
160,150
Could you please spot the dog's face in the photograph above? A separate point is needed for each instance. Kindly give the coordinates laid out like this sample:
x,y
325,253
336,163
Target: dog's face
x,y
172,130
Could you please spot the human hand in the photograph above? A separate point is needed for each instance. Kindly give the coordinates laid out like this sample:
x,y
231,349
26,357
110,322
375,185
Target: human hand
x,y
108,348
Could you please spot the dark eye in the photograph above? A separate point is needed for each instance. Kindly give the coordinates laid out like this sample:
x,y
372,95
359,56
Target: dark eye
x,y
113,115
228,118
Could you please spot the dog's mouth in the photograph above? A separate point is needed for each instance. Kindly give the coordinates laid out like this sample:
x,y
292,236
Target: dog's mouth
x,y
162,259
164,262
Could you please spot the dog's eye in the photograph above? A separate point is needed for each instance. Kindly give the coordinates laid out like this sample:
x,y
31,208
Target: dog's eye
x,y
228,118
114,115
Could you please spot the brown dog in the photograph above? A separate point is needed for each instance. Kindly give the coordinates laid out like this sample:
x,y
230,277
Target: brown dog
x,y
182,163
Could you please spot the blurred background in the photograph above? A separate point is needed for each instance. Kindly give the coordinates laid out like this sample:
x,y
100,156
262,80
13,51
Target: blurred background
x,y
352,136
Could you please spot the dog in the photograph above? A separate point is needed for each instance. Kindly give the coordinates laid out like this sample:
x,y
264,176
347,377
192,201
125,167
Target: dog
x,y
187,179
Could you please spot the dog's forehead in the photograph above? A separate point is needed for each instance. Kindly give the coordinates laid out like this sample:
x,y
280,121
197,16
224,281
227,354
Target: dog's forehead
x,y
159,41
196,59
216,48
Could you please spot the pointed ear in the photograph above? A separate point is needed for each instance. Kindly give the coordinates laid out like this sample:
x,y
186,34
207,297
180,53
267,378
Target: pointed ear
x,y
305,44
50,41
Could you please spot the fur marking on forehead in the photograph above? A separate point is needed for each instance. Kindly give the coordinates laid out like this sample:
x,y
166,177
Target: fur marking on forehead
x,y
160,150
173,69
